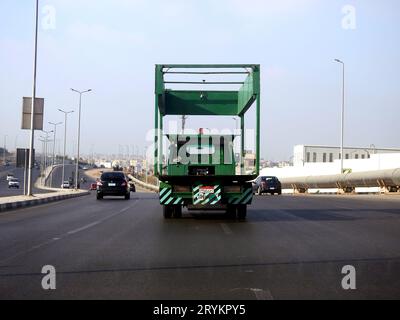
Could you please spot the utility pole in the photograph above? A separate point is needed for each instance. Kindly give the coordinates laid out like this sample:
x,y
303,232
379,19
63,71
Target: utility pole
x,y
4,150
54,149
45,147
79,134
32,137
65,142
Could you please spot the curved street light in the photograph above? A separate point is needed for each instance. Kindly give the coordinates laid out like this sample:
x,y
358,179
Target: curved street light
x,y
342,117
79,134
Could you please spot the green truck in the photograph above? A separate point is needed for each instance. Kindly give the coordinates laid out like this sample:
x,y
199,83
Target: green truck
x,y
200,170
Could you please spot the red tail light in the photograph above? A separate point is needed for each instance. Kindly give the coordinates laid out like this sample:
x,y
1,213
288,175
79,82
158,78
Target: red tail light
x,y
123,184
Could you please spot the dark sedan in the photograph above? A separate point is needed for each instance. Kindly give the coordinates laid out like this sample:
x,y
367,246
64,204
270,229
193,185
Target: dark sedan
x,y
265,184
113,184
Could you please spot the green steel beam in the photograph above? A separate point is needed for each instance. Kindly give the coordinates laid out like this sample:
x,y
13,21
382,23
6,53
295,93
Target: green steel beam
x,y
242,154
258,136
209,66
206,72
156,137
223,103
202,82
161,153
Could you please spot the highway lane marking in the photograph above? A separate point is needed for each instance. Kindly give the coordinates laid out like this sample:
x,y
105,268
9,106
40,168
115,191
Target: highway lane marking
x,y
63,236
262,294
226,228
95,223
84,227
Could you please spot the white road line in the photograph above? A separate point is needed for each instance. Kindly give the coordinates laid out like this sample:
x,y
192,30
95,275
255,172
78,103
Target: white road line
x,y
84,227
262,294
226,228
90,225
66,234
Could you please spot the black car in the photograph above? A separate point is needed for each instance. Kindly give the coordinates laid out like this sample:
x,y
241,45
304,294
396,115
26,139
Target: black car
x,y
113,184
266,184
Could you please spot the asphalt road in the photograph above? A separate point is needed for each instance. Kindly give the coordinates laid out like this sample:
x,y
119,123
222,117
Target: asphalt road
x,y
290,247
18,173
69,173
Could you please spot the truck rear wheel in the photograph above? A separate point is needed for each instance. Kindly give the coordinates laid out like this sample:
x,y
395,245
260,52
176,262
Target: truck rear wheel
x,y
241,211
177,212
231,211
167,211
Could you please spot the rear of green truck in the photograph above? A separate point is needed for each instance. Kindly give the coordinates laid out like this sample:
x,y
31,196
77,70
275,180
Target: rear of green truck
x,y
200,171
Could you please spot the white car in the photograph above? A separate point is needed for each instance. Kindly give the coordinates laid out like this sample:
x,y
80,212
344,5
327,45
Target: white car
x,y
10,176
65,185
13,183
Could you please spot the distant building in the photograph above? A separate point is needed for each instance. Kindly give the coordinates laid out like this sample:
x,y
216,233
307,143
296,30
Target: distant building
x,y
324,154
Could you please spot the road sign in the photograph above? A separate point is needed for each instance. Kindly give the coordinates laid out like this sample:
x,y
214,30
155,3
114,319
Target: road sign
x,y
23,157
27,111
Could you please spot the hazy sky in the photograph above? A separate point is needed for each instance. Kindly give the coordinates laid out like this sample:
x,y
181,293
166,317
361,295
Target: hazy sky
x,y
111,46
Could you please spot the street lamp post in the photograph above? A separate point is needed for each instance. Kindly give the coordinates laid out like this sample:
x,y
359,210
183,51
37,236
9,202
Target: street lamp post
x,y
65,141
342,116
47,140
42,160
32,137
4,150
15,144
79,133
54,147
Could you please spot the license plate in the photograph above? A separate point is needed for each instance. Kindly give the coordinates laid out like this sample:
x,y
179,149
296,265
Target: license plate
x,y
111,184
272,188
203,193
207,189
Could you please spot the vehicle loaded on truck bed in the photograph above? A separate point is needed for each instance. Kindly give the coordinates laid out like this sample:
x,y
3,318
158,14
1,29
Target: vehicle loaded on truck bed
x,y
201,170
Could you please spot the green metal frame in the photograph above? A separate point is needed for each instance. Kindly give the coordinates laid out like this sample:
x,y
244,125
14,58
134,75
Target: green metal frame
x,y
206,102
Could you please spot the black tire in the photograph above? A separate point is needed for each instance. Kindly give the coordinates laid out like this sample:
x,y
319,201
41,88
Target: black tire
x,y
241,211
231,211
99,196
167,211
127,196
177,212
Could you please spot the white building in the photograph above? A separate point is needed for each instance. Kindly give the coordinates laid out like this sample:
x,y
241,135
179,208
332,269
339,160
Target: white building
x,y
304,154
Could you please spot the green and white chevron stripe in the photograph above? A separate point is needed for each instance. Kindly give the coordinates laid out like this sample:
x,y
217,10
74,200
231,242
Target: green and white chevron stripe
x,y
244,198
209,198
167,198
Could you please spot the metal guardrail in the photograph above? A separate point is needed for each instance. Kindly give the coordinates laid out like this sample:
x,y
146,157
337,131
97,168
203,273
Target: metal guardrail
x,y
143,184
389,179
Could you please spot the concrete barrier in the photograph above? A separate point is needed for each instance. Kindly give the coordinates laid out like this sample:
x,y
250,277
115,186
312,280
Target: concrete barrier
x,y
10,203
